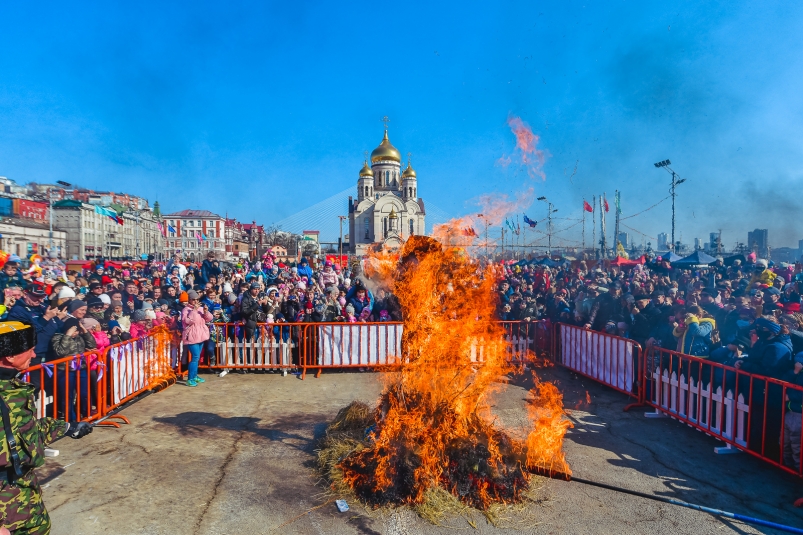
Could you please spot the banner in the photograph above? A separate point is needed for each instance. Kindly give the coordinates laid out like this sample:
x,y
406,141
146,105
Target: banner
x,y
355,344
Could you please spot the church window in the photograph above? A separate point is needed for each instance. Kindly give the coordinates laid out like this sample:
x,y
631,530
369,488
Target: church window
x,y
387,180
367,229
412,227
366,191
385,226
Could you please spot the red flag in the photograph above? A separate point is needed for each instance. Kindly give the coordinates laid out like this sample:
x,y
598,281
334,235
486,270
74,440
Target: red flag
x,y
469,232
606,205
587,207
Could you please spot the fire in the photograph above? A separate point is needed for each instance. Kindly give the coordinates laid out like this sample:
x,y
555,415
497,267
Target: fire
x,y
527,143
433,424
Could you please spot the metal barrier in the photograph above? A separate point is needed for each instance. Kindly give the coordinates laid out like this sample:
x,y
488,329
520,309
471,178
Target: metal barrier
x,y
748,412
269,347
349,345
135,366
611,360
70,388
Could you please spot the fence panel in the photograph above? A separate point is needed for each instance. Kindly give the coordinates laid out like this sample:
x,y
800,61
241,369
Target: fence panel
x,y
608,359
268,347
135,366
751,413
71,388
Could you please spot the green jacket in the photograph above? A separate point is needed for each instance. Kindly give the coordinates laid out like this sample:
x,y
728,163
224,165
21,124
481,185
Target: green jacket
x,y
32,433
66,346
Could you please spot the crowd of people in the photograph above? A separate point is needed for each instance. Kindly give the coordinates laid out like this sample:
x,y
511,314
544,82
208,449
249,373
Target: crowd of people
x,y
743,315
91,311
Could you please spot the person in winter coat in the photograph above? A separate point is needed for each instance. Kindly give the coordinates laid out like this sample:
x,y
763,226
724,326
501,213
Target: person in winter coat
x,y
140,325
195,332
793,415
75,340
771,355
304,271
360,301
327,277
694,334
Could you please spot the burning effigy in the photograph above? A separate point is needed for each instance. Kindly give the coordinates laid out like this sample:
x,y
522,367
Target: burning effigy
x,y
432,427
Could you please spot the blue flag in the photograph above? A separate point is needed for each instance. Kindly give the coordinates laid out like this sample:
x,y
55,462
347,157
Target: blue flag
x,y
530,222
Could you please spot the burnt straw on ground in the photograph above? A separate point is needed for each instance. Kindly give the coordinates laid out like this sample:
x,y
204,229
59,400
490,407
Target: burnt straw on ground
x,y
349,453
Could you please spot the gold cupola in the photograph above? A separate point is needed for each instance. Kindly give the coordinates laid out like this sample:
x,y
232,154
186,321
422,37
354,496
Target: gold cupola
x,y
366,171
392,214
409,172
385,151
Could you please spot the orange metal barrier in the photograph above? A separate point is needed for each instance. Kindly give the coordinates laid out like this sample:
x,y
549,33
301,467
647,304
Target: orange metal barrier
x,y
70,388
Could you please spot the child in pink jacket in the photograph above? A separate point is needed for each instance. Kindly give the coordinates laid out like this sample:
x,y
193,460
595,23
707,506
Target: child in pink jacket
x,y
194,318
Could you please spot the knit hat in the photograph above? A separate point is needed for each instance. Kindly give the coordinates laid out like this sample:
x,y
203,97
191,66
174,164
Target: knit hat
x,y
349,309
66,293
762,263
149,314
764,323
301,285
16,338
113,324
232,299
184,297
147,306
75,305
106,299
94,301
138,315
90,323
192,294
116,303
227,288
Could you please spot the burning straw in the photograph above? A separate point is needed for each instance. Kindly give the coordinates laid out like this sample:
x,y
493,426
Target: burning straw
x,y
432,430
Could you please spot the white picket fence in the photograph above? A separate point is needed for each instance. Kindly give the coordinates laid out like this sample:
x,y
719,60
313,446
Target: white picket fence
x,y
721,416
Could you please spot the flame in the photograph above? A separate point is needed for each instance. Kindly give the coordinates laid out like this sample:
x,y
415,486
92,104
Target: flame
x,y
433,422
527,144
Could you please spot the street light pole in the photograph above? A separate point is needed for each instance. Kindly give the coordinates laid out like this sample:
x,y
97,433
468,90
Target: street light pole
x,y
550,210
675,182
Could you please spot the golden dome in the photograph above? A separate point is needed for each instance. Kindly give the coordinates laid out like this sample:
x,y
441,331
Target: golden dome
x,y
385,151
366,171
392,213
409,172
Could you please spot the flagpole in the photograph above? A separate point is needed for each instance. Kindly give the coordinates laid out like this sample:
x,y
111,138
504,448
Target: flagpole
x,y
584,225
594,224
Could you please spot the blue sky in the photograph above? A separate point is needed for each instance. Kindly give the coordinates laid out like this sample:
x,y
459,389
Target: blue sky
x,y
263,109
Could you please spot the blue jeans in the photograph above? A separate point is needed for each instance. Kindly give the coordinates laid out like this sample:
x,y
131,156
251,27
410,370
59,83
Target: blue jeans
x,y
195,356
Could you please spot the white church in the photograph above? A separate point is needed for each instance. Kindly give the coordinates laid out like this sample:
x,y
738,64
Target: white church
x,y
387,209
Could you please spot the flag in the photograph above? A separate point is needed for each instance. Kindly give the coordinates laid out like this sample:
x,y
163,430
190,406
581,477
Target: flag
x,y
607,209
197,235
510,225
518,229
469,232
171,229
529,221
161,229
203,236
587,207
119,220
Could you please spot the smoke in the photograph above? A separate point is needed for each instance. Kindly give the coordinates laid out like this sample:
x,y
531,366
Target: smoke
x,y
493,208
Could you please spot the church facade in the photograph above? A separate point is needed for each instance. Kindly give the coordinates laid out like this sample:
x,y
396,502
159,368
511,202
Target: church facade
x,y
387,209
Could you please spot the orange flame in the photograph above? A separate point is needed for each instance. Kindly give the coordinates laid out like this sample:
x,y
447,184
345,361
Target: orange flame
x,y
435,409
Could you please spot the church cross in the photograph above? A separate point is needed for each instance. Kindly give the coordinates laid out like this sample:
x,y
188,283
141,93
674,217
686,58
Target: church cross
x,y
386,121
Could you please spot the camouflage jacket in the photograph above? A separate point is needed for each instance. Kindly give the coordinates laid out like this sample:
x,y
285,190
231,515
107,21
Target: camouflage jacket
x,y
32,433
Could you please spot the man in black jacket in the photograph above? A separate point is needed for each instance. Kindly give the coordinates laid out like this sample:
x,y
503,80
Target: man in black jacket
x,y
249,306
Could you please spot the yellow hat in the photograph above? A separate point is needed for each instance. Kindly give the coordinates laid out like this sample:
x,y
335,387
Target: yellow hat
x,y
16,338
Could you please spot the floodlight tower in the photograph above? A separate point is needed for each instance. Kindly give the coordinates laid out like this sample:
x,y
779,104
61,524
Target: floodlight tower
x,y
675,182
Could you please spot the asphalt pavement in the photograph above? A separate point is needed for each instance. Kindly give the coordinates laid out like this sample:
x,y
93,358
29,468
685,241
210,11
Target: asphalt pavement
x,y
236,455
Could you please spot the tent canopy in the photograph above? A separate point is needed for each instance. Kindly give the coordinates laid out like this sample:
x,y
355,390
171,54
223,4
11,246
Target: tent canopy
x,y
697,258
668,256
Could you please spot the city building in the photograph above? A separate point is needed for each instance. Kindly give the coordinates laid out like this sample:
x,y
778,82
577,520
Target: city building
x,y
698,244
91,234
714,244
387,209
758,241
25,237
624,239
663,241
195,233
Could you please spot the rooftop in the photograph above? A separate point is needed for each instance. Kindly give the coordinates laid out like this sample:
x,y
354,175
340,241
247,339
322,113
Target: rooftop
x,y
192,213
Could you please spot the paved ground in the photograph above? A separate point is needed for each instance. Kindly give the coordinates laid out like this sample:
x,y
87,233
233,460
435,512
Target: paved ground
x,y
234,456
